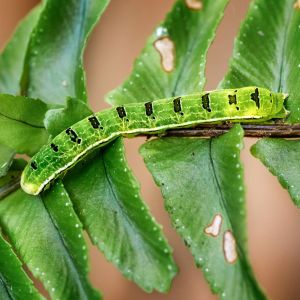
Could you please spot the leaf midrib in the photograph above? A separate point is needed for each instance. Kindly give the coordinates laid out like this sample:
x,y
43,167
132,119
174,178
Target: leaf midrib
x,y
122,209
224,204
216,181
284,35
223,201
69,256
79,49
22,122
191,46
120,205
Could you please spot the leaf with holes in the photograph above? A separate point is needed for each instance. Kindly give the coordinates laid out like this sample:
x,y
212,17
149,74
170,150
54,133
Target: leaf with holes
x,y
53,66
281,157
14,283
12,57
211,194
106,198
266,52
47,234
21,119
173,61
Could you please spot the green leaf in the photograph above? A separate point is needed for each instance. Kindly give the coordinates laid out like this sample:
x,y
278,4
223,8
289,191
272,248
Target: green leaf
x,y
6,158
47,235
266,51
190,32
266,54
107,199
14,172
11,181
45,230
53,68
56,120
23,109
14,283
59,206
12,57
202,182
18,164
21,123
281,157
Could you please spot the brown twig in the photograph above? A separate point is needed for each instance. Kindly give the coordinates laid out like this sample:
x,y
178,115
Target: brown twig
x,y
251,130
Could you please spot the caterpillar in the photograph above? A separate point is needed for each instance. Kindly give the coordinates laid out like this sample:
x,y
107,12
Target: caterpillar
x,y
248,104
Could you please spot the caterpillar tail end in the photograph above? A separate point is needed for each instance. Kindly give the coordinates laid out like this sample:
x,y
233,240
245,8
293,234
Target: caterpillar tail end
x,y
29,188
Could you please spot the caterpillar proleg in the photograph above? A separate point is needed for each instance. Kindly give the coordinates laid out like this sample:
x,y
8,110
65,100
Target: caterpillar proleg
x,y
249,104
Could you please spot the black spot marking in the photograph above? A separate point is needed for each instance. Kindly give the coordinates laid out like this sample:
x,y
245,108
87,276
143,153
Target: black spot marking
x,y
205,102
54,147
237,108
255,97
177,105
232,99
33,165
95,122
121,111
73,135
149,108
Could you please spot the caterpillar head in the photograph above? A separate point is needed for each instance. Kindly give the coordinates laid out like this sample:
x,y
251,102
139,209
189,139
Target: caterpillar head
x,y
37,175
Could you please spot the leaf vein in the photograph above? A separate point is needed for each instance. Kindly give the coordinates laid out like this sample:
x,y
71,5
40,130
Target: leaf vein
x,y
22,122
67,254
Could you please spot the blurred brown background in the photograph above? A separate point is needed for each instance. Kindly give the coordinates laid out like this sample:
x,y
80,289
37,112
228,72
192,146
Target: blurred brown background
x,y
273,221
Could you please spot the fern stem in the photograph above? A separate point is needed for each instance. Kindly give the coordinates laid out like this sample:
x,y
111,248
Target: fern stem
x,y
251,130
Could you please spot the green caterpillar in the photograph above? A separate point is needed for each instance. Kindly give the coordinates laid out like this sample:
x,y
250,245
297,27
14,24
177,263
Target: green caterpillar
x,y
245,105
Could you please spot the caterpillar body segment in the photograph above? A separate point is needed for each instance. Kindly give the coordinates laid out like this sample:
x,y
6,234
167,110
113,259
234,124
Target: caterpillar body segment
x,y
249,104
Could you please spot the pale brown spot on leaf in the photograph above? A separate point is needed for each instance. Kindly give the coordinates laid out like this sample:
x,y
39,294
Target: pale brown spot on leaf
x,y
229,247
166,49
194,4
214,228
297,4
